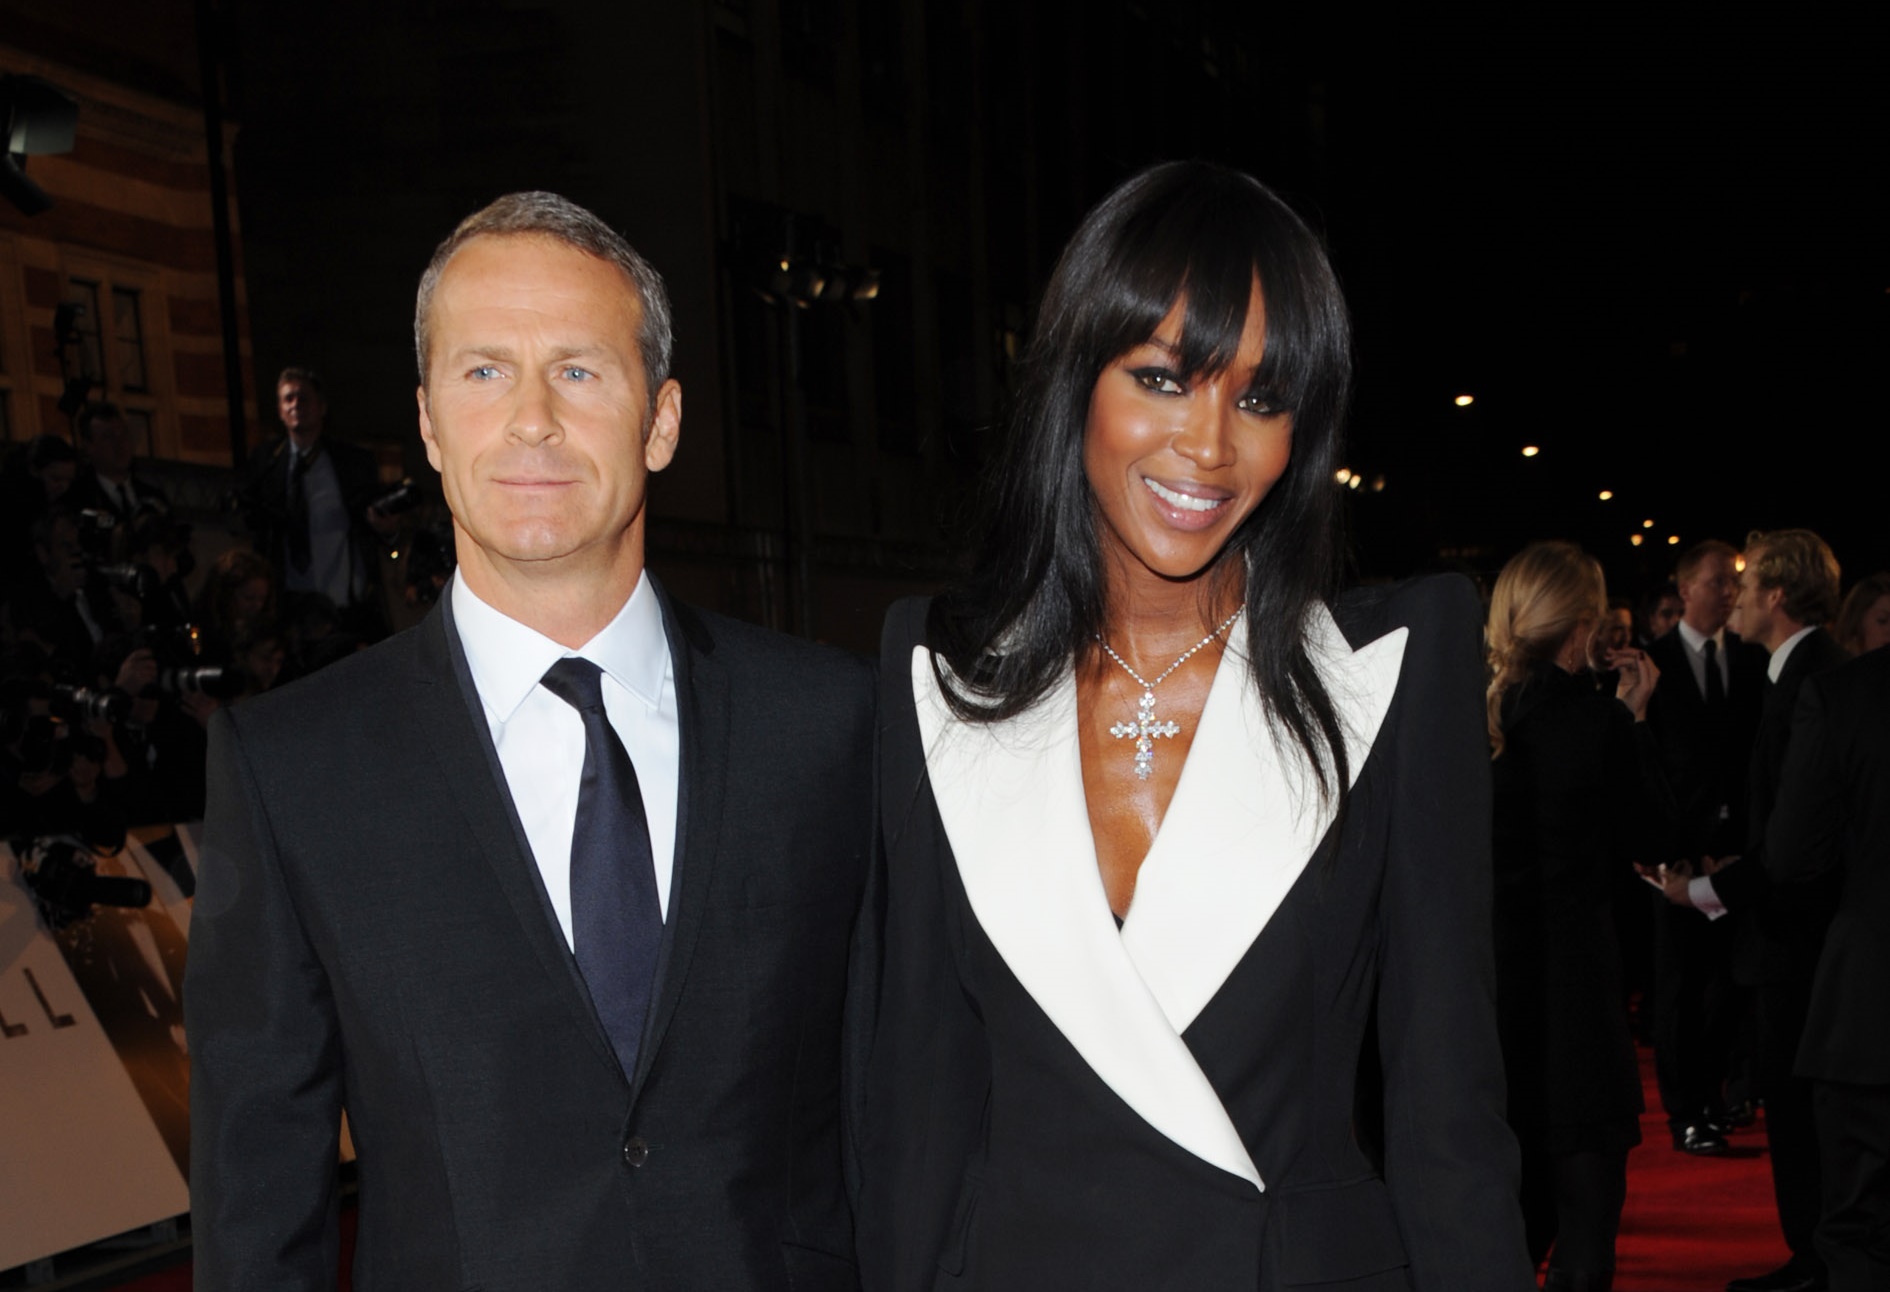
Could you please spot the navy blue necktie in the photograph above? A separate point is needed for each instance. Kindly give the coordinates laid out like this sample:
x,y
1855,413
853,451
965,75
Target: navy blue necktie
x,y
616,919
1715,685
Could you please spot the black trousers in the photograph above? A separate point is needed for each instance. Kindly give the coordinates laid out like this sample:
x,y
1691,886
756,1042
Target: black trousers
x,y
1791,1132
1572,1207
1854,1142
1695,1011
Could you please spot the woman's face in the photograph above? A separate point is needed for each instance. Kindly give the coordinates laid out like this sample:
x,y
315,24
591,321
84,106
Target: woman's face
x,y
1178,463
250,598
1875,630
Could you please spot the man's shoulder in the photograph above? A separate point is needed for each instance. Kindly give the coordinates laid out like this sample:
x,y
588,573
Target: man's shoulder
x,y
749,650
357,689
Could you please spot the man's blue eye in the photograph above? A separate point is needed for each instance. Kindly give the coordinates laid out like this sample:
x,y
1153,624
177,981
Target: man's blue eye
x,y
484,372
579,374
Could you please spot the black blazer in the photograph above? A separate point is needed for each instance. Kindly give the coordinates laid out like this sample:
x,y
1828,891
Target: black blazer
x,y
997,1157
1832,819
1705,755
1579,798
371,933
1776,935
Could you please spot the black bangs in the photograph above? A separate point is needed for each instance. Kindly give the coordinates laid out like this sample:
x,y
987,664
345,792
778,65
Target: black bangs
x,y
1207,240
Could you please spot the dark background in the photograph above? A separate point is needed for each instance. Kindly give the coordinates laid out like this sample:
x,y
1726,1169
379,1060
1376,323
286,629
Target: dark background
x,y
1654,244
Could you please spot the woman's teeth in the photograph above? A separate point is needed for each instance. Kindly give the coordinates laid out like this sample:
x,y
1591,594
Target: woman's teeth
x,y
1186,502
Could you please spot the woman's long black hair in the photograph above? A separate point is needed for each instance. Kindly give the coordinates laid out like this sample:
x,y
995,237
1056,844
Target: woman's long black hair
x,y
1035,598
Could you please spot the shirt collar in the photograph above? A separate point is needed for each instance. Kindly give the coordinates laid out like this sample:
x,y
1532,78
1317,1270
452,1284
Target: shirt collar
x,y
1776,664
507,658
1696,640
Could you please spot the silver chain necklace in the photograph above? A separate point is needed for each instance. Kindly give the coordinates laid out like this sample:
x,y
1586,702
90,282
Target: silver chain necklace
x,y
1145,728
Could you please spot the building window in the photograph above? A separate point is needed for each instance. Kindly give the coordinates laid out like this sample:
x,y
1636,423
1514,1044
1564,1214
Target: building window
x,y
129,332
90,359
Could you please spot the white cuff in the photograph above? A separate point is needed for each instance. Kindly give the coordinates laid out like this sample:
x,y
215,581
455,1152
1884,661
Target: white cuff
x,y
1705,900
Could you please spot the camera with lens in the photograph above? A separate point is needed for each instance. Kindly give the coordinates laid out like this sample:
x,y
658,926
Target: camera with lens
x,y
62,874
215,681
83,704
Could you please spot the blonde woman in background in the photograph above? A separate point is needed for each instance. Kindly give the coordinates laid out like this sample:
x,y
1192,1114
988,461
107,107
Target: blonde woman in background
x,y
1579,797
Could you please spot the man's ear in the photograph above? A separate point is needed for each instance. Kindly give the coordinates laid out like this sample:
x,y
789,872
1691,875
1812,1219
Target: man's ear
x,y
426,428
659,444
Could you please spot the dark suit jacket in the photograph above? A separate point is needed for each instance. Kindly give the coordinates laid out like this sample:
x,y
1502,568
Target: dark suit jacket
x,y
262,491
1705,755
87,491
1832,819
372,934
998,1158
1776,935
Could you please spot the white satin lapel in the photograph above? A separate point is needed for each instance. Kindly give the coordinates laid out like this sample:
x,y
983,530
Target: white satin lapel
x,y
1010,796
1245,820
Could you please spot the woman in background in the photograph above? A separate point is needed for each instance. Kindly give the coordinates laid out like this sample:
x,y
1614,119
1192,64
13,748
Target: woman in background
x,y
1187,970
1579,797
1864,622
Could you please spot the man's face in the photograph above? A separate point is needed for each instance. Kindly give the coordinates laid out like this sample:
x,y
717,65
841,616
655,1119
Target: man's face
x,y
302,409
1755,613
108,447
1666,615
1708,594
535,410
62,558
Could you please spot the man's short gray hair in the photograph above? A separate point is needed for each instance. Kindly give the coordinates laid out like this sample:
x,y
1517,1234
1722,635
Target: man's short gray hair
x,y
546,215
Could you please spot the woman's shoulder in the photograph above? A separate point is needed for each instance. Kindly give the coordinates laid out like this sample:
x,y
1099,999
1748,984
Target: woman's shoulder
x,y
1432,606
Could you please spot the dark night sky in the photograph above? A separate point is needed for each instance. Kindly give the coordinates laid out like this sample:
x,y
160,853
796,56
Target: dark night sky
x,y
1659,249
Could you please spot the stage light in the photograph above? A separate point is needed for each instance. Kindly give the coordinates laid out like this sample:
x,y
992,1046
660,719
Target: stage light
x,y
1673,540
1634,539
1464,401
1342,475
1530,450
1355,482
1605,494
1647,524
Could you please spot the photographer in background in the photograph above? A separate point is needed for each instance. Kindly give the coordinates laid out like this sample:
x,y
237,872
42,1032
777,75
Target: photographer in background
x,y
308,500
105,480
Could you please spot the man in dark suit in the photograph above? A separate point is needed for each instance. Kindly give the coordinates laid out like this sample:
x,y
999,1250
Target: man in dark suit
x,y
308,500
1787,589
553,894
1832,821
107,481
1703,719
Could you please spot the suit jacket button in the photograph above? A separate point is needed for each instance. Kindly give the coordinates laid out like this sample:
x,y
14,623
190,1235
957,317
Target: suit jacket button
x,y
636,1151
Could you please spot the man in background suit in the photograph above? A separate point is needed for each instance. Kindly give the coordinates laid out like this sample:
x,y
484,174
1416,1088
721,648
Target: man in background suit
x,y
107,481
308,500
1787,589
1832,821
554,893
1703,720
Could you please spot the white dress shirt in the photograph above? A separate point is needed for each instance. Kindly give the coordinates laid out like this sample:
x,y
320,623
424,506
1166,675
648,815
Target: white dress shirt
x,y
540,738
1695,642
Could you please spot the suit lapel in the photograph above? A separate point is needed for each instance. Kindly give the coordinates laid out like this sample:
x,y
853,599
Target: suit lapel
x,y
1246,819
702,708
445,704
1011,799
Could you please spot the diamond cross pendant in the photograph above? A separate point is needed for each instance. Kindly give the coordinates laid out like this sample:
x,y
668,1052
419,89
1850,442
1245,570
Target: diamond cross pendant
x,y
1145,729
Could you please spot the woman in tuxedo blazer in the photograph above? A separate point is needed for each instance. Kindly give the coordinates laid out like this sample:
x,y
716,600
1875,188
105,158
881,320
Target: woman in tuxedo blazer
x,y
1187,974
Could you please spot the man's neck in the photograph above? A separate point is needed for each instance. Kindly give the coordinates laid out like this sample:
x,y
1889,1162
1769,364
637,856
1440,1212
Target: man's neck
x,y
305,440
569,600
1702,629
1783,629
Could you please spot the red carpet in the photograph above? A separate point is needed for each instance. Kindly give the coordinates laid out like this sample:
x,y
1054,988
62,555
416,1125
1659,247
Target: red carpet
x,y
1691,1222
1694,1222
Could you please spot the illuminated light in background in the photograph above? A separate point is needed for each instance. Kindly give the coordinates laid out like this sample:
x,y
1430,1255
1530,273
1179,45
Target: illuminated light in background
x,y
1605,494
1464,401
1647,524
1378,484
1342,475
1530,450
1673,540
1739,563
1355,482
1634,539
